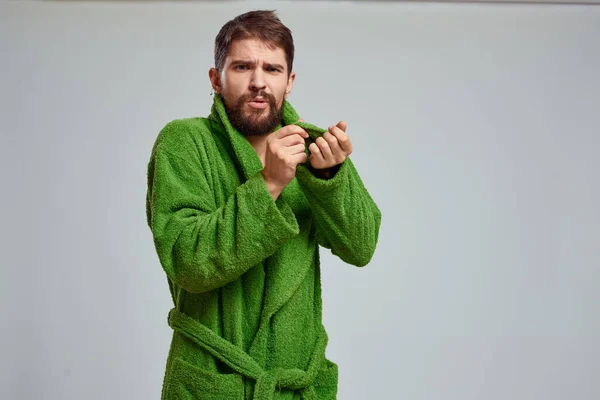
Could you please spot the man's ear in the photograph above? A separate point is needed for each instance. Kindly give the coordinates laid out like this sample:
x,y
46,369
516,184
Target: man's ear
x,y
215,80
290,84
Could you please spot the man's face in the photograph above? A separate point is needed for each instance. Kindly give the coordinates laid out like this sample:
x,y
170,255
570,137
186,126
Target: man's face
x,y
254,82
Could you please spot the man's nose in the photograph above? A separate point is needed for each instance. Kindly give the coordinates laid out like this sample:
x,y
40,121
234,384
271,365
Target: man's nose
x,y
257,80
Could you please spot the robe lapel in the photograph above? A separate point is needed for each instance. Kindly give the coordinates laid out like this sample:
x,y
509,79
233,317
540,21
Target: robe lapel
x,y
288,266
244,153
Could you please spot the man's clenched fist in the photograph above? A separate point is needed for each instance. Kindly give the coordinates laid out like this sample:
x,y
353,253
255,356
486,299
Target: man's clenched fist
x,y
284,151
332,148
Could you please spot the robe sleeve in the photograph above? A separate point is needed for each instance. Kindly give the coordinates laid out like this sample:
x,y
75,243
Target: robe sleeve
x,y
201,246
346,217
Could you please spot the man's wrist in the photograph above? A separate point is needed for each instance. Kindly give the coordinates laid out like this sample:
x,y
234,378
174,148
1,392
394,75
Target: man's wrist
x,y
325,173
274,189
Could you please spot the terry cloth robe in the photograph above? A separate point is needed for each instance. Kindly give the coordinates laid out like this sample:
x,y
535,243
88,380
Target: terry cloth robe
x,y
243,270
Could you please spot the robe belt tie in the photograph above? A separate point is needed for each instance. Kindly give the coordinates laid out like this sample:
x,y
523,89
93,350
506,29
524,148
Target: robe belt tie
x,y
266,381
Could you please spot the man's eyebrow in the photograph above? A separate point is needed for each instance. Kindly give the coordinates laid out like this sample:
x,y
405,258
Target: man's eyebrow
x,y
242,62
277,66
250,62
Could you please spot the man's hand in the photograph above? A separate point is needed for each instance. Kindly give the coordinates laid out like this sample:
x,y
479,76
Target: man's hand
x,y
284,151
332,148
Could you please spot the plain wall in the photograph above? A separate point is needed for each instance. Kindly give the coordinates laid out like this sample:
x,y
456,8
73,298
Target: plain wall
x,y
475,128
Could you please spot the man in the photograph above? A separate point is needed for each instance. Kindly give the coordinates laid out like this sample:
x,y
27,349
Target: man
x,y
238,205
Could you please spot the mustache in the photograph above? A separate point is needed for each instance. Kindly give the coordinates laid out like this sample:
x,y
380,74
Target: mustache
x,y
269,97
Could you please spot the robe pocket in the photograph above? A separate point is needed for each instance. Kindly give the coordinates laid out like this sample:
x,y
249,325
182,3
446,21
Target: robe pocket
x,y
190,382
326,382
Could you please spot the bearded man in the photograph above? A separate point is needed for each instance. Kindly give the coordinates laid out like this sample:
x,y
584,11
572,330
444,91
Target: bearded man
x,y
238,203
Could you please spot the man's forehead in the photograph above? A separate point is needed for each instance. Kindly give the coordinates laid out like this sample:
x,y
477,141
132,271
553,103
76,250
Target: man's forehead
x,y
255,50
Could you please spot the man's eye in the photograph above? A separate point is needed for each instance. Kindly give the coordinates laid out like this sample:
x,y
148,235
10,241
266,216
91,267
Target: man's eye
x,y
272,69
241,67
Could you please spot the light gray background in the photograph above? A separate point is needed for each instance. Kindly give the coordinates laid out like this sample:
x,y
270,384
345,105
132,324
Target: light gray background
x,y
475,128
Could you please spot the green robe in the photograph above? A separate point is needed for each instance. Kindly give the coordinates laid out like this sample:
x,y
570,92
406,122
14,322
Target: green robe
x,y
243,270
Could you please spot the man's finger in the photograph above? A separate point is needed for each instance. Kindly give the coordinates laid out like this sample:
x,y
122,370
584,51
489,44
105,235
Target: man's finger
x,y
298,148
325,149
334,144
291,130
315,154
299,158
343,139
342,125
291,140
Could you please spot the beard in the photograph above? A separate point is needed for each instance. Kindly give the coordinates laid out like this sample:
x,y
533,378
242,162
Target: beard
x,y
257,122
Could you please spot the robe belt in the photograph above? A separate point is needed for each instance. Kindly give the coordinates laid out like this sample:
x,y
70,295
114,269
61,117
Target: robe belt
x,y
244,364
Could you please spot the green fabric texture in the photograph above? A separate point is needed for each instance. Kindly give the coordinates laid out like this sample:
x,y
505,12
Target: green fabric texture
x,y
244,270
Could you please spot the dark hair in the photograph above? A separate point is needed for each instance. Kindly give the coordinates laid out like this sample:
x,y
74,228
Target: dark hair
x,y
260,24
